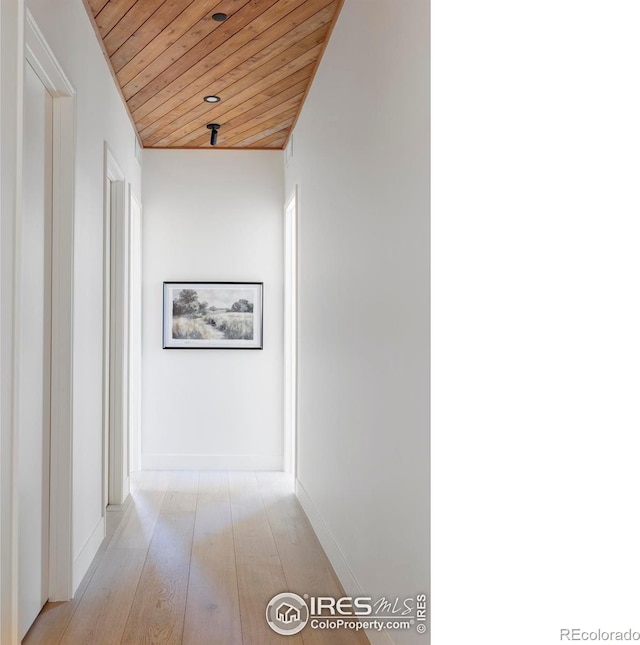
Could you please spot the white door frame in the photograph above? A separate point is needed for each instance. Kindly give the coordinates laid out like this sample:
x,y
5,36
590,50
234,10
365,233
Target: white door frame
x,y
115,335
44,63
22,40
11,101
135,331
291,333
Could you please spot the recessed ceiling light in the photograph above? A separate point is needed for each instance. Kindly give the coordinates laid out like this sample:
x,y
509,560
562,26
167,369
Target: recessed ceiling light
x,y
219,17
212,99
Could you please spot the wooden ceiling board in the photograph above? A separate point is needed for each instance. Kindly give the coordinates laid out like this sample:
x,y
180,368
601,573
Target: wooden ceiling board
x,y
223,60
111,14
192,130
167,55
149,43
151,80
274,140
257,141
257,124
165,14
185,135
95,6
237,115
136,17
257,80
261,128
243,77
257,138
194,103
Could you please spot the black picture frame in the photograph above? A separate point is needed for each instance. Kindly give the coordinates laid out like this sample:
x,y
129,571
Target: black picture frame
x,y
212,315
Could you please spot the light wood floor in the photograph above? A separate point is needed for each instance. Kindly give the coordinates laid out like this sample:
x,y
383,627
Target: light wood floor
x,y
193,559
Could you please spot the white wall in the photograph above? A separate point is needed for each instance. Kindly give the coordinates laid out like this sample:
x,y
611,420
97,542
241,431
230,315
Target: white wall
x,y
212,216
361,162
100,117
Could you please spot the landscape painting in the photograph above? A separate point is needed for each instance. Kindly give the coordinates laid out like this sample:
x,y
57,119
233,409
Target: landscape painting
x,y
212,315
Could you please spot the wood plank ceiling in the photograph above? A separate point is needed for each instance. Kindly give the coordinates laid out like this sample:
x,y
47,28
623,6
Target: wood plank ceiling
x,y
168,55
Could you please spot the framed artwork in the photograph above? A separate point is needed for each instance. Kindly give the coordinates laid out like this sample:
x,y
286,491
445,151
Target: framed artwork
x,y
212,315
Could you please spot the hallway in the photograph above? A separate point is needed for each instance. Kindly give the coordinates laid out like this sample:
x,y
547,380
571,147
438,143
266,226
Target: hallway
x,y
194,558
307,193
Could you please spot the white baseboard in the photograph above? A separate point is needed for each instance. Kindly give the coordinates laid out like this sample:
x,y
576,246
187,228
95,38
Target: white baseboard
x,y
336,557
88,552
212,462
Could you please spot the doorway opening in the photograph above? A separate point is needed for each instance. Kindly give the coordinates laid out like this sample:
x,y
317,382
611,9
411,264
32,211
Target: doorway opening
x,y
135,333
291,332
115,337
42,362
34,350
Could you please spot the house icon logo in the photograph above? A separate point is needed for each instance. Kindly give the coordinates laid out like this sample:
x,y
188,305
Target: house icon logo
x,y
287,614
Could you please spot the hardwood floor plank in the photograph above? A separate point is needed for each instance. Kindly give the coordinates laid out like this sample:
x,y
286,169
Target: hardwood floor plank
x,y
304,562
157,611
212,596
135,479
260,573
195,560
102,613
53,620
55,617
139,521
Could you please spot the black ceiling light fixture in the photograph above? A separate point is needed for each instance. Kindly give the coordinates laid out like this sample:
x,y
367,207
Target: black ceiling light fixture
x,y
212,99
219,17
214,127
